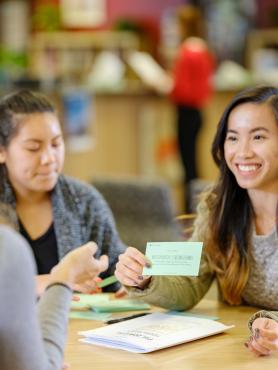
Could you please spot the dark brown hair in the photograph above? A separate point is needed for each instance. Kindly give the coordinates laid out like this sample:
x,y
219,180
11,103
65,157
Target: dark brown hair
x,y
230,207
17,104
13,108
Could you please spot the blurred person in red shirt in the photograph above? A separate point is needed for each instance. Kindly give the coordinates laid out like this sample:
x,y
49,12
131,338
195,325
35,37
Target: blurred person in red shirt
x,y
191,87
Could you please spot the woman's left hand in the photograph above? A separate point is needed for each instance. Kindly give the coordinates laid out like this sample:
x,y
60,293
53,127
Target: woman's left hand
x,y
121,292
264,341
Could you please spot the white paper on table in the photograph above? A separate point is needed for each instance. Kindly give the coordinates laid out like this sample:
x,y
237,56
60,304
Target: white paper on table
x,y
152,332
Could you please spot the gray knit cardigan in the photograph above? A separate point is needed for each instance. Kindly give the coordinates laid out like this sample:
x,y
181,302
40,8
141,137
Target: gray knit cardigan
x,y
80,214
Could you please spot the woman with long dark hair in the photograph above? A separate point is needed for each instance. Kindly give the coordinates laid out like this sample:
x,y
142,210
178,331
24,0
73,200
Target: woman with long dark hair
x,y
237,220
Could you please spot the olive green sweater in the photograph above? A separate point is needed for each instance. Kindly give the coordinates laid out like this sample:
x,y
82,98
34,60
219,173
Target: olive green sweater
x,y
182,293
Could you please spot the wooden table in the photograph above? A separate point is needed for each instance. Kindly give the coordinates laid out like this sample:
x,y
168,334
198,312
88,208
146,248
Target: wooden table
x,y
223,351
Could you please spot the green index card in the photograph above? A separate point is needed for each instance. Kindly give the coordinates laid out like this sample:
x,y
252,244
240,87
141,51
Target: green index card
x,y
89,315
108,281
173,258
86,301
121,305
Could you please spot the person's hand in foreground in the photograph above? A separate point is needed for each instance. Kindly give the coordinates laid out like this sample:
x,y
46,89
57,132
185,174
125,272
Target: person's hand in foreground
x,y
264,341
130,267
79,268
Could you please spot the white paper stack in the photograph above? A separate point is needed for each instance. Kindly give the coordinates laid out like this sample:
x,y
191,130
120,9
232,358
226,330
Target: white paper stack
x,y
152,332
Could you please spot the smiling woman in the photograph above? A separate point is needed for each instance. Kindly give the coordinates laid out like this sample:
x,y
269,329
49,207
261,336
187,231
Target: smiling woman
x,y
251,149
54,213
237,221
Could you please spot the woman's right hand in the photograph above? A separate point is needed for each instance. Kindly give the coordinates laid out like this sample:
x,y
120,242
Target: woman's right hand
x,y
130,267
79,267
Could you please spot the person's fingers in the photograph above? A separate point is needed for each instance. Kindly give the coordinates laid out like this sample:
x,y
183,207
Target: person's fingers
x,y
127,262
258,348
271,335
75,298
126,276
137,256
92,247
270,324
125,279
83,288
132,271
250,348
253,350
260,351
271,345
103,263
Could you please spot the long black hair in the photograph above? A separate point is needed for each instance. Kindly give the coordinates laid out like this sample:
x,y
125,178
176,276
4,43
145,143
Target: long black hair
x,y
232,212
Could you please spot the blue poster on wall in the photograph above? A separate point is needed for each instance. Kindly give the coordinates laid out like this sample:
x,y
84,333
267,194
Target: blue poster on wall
x,y
78,119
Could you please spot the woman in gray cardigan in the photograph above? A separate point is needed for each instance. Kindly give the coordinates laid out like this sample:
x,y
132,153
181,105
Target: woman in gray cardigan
x,y
31,337
55,213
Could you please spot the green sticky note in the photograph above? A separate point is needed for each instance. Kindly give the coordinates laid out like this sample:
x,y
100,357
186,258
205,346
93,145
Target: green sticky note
x,y
108,281
173,258
121,305
89,315
86,301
